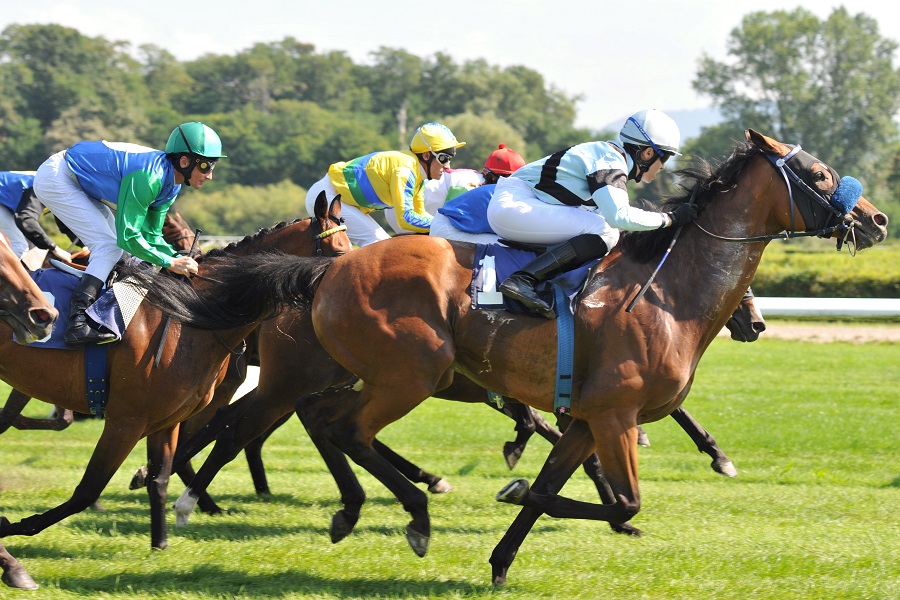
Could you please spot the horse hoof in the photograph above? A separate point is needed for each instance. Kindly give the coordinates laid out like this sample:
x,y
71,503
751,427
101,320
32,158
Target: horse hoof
x,y
440,487
4,526
19,579
512,452
499,577
643,440
724,467
626,529
341,527
417,541
514,492
139,479
97,507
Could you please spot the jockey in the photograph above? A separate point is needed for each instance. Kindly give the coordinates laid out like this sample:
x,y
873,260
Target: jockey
x,y
388,180
464,217
114,196
575,200
16,189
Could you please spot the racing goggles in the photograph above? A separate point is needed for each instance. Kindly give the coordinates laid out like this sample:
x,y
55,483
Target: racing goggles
x,y
205,165
444,156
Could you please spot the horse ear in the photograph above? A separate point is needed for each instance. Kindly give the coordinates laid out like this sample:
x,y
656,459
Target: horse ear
x,y
765,143
320,209
335,209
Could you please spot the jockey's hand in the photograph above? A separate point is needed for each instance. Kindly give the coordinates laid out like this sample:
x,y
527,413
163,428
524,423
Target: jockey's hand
x,y
61,254
683,215
184,265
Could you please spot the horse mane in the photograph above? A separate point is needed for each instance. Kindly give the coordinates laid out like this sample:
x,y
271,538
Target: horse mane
x,y
707,180
238,291
247,241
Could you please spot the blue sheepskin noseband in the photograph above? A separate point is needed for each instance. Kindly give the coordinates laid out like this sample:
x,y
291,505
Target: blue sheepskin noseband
x,y
847,195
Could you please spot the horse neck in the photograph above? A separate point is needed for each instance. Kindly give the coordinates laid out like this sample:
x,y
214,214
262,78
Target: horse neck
x,y
708,277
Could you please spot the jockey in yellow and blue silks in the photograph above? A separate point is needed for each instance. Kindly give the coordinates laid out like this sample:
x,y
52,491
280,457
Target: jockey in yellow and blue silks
x,y
114,196
388,181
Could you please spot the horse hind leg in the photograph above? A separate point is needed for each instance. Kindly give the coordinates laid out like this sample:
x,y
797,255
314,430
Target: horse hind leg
x,y
14,574
436,484
705,442
253,454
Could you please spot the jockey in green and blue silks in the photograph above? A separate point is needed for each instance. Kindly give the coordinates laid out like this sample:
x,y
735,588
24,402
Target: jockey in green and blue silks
x,y
114,196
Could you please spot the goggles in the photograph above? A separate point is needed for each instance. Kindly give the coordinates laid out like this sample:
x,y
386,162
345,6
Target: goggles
x,y
205,165
445,156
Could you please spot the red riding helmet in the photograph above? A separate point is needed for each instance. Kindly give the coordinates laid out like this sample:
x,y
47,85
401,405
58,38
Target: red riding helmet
x,y
504,161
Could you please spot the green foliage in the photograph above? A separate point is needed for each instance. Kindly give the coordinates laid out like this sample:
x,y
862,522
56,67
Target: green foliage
x,y
827,84
812,513
482,133
242,209
804,271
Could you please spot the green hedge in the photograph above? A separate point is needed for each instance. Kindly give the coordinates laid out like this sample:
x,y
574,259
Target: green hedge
x,y
813,269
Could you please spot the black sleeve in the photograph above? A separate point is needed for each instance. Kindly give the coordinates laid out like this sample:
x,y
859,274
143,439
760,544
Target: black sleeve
x,y
27,214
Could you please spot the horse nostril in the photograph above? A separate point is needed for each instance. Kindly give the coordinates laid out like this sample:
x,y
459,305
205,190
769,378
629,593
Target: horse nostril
x,y
880,219
759,327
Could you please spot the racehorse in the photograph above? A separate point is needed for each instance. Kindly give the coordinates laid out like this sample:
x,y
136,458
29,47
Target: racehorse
x,y
179,235
405,327
25,310
147,399
296,366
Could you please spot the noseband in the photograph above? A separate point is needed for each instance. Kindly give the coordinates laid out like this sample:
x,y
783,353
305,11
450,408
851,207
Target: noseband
x,y
807,210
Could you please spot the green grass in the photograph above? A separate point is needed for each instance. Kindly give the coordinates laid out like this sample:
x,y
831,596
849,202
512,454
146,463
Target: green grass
x,y
812,428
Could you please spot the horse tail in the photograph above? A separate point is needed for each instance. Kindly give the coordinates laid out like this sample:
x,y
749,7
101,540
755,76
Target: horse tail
x,y
236,290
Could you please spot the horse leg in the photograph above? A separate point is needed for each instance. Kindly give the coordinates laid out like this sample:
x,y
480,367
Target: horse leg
x,y
436,484
205,502
352,494
160,450
705,442
113,447
253,454
11,415
238,425
14,574
524,428
571,450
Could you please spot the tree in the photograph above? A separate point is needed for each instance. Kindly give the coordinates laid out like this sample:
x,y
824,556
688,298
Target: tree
x,y
829,85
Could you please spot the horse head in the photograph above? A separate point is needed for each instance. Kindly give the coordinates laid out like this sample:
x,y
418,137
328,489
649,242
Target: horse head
x,y
23,306
821,201
746,323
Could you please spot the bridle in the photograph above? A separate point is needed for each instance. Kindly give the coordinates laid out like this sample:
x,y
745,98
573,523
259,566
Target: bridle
x,y
820,227
321,235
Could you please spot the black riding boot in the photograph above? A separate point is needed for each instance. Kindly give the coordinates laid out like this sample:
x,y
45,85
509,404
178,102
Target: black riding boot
x,y
564,257
78,330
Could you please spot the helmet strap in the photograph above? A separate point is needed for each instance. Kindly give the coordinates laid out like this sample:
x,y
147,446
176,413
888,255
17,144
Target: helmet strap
x,y
427,162
641,166
185,171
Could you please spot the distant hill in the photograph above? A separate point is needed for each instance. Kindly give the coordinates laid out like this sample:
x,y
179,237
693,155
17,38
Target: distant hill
x,y
689,121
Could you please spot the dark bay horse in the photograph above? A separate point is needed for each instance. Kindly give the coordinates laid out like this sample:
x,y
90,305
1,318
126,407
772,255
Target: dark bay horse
x,y
26,312
148,400
405,327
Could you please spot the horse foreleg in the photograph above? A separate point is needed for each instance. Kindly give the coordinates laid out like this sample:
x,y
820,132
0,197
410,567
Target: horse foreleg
x,y
14,574
160,450
571,450
705,442
113,447
436,484
253,454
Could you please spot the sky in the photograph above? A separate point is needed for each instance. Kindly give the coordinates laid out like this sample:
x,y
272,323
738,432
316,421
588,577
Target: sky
x,y
618,57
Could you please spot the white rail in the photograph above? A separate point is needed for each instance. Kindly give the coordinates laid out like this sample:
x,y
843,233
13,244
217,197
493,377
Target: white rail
x,y
828,307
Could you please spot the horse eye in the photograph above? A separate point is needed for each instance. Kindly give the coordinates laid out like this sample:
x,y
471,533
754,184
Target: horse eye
x,y
819,176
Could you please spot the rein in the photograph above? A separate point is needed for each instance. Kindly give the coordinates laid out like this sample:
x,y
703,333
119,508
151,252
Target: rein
x,y
791,180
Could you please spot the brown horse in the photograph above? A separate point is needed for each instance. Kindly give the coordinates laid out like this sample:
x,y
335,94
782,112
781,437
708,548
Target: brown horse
x,y
147,400
296,366
179,235
26,311
404,327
